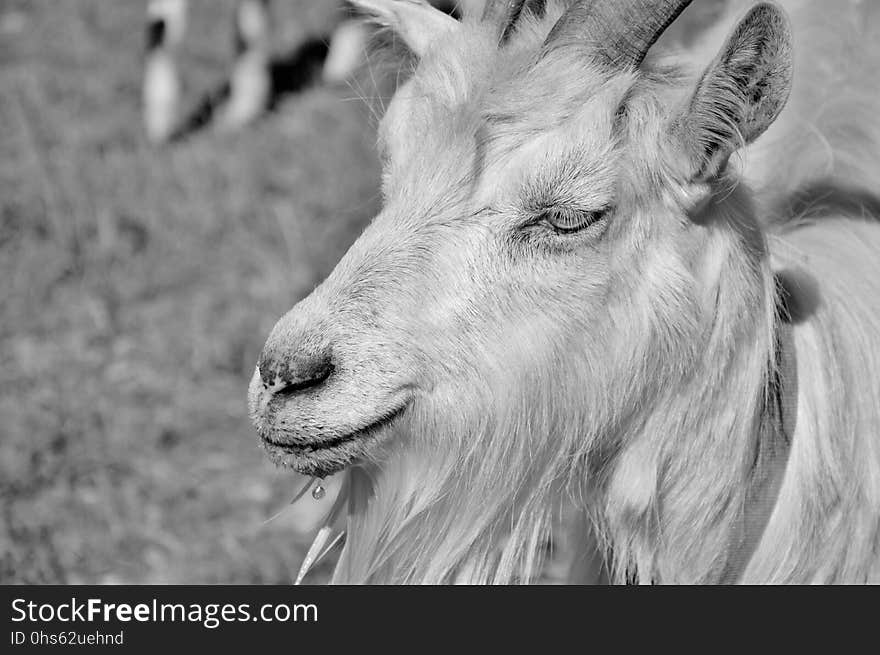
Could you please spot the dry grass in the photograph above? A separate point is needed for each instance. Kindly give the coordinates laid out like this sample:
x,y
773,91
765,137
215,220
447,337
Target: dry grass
x,y
138,287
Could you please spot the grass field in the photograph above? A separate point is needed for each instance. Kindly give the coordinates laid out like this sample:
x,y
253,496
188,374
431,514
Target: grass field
x,y
138,286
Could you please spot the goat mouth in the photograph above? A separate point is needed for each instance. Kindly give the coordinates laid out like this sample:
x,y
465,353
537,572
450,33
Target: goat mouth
x,y
325,457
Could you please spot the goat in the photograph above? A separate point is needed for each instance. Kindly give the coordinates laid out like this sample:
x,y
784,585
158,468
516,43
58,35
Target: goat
x,y
166,25
256,78
587,300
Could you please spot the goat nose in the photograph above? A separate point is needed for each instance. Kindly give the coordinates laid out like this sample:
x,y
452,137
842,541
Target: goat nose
x,y
292,373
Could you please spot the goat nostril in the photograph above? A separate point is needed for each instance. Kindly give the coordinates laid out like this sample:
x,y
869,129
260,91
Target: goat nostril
x,y
295,374
314,378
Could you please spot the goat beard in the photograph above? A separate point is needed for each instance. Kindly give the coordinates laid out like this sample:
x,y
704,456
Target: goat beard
x,y
471,499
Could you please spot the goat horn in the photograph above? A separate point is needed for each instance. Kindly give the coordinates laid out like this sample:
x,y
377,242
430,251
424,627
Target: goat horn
x,y
618,32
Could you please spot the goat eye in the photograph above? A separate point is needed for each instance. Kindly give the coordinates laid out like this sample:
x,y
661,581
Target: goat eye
x,y
566,220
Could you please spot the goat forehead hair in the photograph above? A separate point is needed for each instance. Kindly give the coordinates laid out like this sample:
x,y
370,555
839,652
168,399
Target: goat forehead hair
x,y
467,90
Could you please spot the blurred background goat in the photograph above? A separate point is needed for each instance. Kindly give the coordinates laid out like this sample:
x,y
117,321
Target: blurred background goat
x,y
258,77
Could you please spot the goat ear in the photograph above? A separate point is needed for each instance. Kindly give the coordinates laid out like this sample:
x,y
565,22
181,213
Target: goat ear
x,y
415,21
741,92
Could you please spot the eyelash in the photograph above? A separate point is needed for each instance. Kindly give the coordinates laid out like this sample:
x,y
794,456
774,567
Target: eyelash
x,y
566,221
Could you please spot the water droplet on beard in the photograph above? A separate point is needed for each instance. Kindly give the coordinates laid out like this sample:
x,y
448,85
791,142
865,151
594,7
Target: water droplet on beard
x,y
318,492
